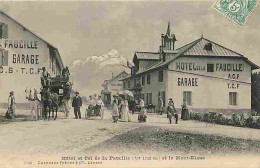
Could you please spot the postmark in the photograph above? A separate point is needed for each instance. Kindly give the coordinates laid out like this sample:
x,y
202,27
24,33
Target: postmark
x,y
236,10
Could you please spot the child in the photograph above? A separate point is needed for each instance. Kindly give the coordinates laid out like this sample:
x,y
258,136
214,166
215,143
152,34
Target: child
x,y
142,116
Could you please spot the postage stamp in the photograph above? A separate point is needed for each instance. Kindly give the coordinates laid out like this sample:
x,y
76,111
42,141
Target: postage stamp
x,y
236,10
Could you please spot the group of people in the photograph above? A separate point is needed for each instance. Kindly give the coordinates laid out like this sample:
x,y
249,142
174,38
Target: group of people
x,y
172,112
120,109
95,106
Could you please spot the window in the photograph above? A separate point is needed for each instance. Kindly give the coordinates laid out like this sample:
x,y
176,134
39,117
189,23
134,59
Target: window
x,y
3,57
187,97
128,84
149,98
160,76
210,67
143,80
124,86
148,79
233,98
142,96
162,94
3,31
208,47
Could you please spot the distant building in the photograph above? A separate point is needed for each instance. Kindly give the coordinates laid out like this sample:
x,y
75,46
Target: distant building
x,y
22,55
112,86
208,76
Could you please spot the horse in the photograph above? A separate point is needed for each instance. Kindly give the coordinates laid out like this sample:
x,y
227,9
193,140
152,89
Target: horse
x,y
50,104
34,102
46,102
54,104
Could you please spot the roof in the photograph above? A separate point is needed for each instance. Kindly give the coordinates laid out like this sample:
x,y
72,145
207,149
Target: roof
x,y
58,56
217,50
196,48
147,55
110,80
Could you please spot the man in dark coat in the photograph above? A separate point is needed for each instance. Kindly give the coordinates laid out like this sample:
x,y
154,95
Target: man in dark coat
x,y
77,103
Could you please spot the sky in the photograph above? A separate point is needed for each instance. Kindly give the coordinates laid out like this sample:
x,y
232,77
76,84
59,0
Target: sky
x,y
83,29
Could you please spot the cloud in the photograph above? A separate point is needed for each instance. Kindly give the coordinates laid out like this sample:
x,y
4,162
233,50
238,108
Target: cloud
x,y
89,74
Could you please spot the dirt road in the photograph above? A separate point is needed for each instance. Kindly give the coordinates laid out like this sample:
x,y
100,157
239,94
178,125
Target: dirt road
x,y
29,143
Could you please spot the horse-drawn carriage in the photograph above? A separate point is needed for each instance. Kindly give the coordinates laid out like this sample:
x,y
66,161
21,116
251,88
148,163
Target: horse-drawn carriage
x,y
60,89
55,92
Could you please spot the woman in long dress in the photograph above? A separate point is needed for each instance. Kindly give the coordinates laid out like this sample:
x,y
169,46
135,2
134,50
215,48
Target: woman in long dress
x,y
125,110
184,111
115,112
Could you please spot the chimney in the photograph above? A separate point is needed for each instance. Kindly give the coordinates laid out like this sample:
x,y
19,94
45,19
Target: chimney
x,y
162,38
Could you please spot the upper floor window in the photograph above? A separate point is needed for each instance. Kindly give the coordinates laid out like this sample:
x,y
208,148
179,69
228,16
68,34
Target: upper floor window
x,y
124,86
148,79
143,80
210,67
128,84
160,75
3,31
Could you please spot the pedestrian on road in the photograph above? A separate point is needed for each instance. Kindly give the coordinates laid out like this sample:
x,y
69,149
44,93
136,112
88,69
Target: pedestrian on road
x,y
171,111
100,107
141,104
11,105
115,109
77,103
184,111
125,117
160,105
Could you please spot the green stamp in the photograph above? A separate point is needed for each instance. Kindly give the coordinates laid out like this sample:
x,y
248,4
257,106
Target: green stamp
x,y
236,10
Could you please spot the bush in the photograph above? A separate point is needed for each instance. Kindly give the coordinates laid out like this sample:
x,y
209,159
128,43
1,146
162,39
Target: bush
x,y
205,117
192,115
258,123
249,122
235,120
243,118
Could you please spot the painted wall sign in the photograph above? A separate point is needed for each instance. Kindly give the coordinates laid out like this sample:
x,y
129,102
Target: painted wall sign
x,y
229,67
233,76
187,81
7,53
189,66
26,44
11,70
233,85
25,59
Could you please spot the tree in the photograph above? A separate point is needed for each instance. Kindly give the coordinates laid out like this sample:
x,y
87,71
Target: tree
x,y
255,92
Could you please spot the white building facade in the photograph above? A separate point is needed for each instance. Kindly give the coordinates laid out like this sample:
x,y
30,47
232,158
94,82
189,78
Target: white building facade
x,y
112,87
208,76
22,56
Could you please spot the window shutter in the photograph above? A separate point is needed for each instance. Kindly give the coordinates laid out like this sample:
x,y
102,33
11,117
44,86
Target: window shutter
x,y
1,31
147,98
1,57
5,31
5,58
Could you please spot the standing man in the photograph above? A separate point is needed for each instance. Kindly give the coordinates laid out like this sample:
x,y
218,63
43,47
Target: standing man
x,y
44,77
77,103
67,90
160,105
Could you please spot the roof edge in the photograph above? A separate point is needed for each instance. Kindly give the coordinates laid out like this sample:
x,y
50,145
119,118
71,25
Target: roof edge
x,y
27,29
